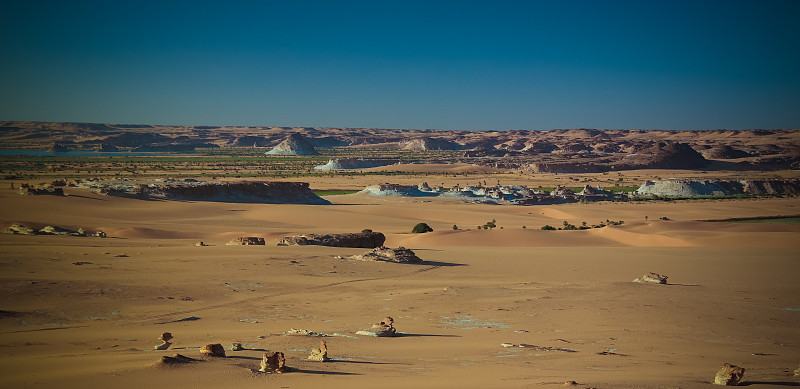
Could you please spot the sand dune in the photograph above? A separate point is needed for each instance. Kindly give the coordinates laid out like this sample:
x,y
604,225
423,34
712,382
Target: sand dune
x,y
86,311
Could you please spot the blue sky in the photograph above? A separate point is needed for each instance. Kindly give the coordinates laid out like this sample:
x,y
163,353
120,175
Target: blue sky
x,y
404,64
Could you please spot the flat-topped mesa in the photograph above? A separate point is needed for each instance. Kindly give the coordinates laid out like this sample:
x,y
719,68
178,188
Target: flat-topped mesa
x,y
246,241
354,240
294,144
386,254
261,192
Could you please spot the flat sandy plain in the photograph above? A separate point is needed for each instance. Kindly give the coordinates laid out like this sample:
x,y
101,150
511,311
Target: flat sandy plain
x,y
86,312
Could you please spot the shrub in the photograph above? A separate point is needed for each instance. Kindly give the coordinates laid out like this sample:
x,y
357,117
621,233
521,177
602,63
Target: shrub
x,y
548,227
366,231
421,228
455,227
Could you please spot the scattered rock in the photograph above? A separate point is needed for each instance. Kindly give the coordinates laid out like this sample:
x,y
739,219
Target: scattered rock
x,y
43,189
246,241
320,354
100,234
570,383
165,341
729,375
236,346
797,372
383,329
213,350
538,348
386,254
273,362
362,239
176,359
20,230
295,331
652,278
200,244
80,263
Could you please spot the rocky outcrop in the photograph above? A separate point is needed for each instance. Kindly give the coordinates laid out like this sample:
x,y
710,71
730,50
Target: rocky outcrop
x,y
355,163
691,188
294,144
319,354
165,341
354,240
386,254
176,359
213,350
383,329
729,375
664,155
652,278
263,192
43,189
19,229
273,362
396,190
246,241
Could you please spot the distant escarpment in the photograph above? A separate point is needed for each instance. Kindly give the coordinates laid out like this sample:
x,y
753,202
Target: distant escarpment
x,y
264,192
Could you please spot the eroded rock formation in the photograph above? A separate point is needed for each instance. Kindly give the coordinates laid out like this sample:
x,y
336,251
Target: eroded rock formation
x,y
355,240
246,241
165,341
383,329
729,375
273,362
652,278
386,254
320,354
213,350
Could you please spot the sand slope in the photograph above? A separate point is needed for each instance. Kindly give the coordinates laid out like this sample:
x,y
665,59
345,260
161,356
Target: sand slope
x,y
81,312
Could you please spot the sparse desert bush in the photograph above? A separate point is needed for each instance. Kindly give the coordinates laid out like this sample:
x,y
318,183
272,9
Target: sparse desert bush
x,y
548,227
366,230
421,228
455,227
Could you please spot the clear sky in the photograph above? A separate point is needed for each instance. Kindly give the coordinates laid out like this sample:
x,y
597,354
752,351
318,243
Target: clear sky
x,y
404,64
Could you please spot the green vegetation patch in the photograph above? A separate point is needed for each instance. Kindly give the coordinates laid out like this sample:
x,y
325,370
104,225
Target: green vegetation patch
x,y
333,192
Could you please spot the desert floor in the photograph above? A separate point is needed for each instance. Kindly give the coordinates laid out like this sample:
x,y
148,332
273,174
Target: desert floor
x,y
86,312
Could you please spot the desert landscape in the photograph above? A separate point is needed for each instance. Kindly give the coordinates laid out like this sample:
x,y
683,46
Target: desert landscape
x,y
128,244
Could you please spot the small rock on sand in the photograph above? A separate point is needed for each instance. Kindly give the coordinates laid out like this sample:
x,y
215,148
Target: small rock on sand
x,y
214,350
383,329
273,362
176,359
729,375
652,278
320,354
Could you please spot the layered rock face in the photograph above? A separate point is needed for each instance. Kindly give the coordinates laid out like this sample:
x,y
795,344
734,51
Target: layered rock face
x,y
355,240
263,192
246,241
294,144
386,254
689,188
